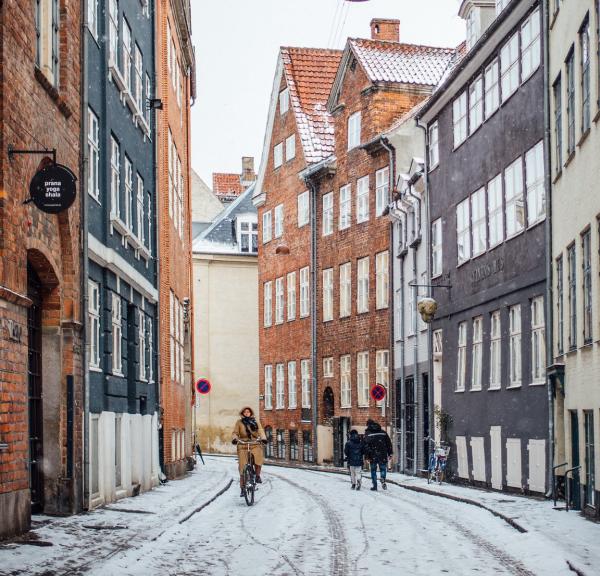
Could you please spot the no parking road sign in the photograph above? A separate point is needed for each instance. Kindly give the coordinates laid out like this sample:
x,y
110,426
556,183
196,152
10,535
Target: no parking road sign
x,y
203,386
378,392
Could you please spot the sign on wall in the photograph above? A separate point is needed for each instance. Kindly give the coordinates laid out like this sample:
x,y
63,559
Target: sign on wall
x,y
203,386
53,189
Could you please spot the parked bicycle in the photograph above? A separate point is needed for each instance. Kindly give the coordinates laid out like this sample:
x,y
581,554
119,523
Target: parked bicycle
x,y
249,474
438,459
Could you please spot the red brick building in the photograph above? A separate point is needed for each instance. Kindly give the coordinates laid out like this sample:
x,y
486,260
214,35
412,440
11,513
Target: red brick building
x,y
228,186
41,380
341,256
176,89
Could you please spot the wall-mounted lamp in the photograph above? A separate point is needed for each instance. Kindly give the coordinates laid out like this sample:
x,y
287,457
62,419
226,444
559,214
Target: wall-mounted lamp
x,y
154,104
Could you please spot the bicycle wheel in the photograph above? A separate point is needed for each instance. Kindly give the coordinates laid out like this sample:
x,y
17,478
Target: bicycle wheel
x,y
249,485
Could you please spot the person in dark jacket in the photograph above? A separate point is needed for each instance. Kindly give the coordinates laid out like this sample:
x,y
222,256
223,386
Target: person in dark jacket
x,y
354,455
377,449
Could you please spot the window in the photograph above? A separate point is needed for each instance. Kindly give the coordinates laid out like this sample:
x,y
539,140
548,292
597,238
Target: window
x,y
307,447
515,345
293,444
560,306
149,233
290,147
459,119
536,196
93,156
279,300
291,296
382,373
478,217
305,375
281,444
436,248
495,212
292,400
115,177
117,335
382,280
303,209
126,55
248,236
304,293
128,193
590,458
473,31
142,344
495,351
434,151
477,354
586,255
269,444
362,200
530,45
571,102
139,222
463,232
509,67
284,101
92,17
268,387
382,190
327,294
571,263
266,227
278,221
345,382
345,207
113,31
362,301
172,335
513,190
411,308
476,104
139,79
279,386
328,214
47,21
268,308
150,349
584,42
345,290
362,378
278,155
492,88
558,151
146,108
354,130
538,341
328,367
461,365
94,323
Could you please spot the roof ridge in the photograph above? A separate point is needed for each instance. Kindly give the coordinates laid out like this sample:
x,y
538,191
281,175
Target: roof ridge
x,y
390,42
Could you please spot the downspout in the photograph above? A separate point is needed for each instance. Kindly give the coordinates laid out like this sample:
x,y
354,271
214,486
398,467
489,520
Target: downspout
x,y
548,233
84,168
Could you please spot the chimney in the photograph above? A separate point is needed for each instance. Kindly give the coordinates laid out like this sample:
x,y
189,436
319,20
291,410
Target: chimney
x,y
385,29
248,174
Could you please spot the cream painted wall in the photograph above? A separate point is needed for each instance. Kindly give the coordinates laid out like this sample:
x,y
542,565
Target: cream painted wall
x,y
226,344
205,204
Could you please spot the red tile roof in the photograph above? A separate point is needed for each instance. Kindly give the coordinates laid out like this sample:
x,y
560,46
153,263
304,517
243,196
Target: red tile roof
x,y
309,74
227,184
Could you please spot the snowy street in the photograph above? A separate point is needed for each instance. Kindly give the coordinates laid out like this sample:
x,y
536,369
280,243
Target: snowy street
x,y
305,522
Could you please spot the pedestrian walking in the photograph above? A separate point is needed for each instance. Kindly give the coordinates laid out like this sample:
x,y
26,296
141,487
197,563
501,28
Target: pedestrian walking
x,y
377,449
354,456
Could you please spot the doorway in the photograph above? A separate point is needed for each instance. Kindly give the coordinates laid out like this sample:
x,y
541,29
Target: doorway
x,y
341,429
410,422
574,490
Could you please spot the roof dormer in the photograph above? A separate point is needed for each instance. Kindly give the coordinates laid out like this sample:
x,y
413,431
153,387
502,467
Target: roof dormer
x,y
478,15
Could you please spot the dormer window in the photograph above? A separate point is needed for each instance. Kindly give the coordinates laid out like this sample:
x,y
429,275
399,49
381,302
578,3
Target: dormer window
x,y
248,236
473,28
284,101
354,130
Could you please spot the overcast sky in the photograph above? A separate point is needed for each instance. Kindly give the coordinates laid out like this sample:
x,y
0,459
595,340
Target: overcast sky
x,y
237,42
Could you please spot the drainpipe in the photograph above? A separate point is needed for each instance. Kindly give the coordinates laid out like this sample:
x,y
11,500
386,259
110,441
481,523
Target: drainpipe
x,y
548,233
83,191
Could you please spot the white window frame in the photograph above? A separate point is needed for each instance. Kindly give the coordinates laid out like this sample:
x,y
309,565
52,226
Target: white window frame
x,y
345,289
362,379
142,344
304,292
382,190
362,199
267,229
509,67
268,387
477,355
278,155
382,280
284,101
280,386
139,79
535,184
478,223
530,45
268,304
461,364
117,334
279,301
382,373
346,381
434,150
495,350
290,147
278,218
354,129
128,193
460,119
94,323
303,209
362,292
436,248
140,220
475,104
328,367
515,358
463,231
113,32
328,214
305,377
291,296
513,197
115,177
292,396
92,18
345,216
492,87
93,155
495,210
327,294
126,55
538,341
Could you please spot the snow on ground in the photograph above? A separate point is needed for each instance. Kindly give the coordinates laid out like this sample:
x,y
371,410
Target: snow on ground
x,y
307,523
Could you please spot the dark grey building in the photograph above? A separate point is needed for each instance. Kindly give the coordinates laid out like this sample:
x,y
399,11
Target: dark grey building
x,y
121,240
486,186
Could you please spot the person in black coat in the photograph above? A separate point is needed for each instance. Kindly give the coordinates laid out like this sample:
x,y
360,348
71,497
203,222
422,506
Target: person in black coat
x,y
354,456
377,449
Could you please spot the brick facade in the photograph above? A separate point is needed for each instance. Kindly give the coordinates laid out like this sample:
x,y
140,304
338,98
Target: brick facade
x,y
37,113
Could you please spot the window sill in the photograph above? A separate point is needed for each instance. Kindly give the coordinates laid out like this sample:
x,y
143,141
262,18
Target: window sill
x,y
362,221
557,176
53,93
584,137
494,388
571,352
96,369
115,74
96,198
589,345
432,169
118,374
363,406
459,391
476,390
569,158
514,387
536,223
537,383
522,231
597,116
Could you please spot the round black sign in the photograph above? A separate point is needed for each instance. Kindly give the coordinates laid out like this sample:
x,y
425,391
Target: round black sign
x,y
52,189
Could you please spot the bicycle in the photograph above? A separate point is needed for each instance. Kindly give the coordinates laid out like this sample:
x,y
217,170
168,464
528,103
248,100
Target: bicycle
x,y
438,459
249,472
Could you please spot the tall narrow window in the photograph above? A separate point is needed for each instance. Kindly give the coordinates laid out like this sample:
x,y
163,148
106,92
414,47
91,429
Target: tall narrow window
x,y
362,301
47,21
328,214
513,191
139,79
268,305
267,230
584,43
530,45
126,55
117,335
345,207
268,387
463,231
459,119
492,88
362,378
291,296
590,459
571,102
284,101
362,199
278,155
345,382
434,151
536,194
113,31
327,294
479,224
280,386
93,156
115,178
92,17
142,345
495,211
572,264
509,67
279,301
94,323
436,248
354,130
538,341
558,133
560,306
515,345
461,363
477,354
290,147
304,293
305,375
328,367
149,96
345,289
128,219
303,209
278,232
139,221
382,280
495,351
382,373
586,265
475,104
292,398
382,190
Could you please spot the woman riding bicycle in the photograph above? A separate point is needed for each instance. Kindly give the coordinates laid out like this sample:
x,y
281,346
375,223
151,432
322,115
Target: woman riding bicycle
x,y
248,429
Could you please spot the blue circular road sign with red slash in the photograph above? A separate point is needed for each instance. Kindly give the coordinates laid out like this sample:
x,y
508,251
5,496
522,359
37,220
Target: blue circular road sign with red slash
x,y
203,386
378,392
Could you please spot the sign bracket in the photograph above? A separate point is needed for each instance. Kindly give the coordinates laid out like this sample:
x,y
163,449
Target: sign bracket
x,y
14,152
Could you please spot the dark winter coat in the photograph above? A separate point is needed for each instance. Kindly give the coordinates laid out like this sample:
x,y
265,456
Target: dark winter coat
x,y
377,446
354,451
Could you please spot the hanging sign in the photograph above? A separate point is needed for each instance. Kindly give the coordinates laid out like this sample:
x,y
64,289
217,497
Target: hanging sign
x,y
203,386
378,392
53,189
